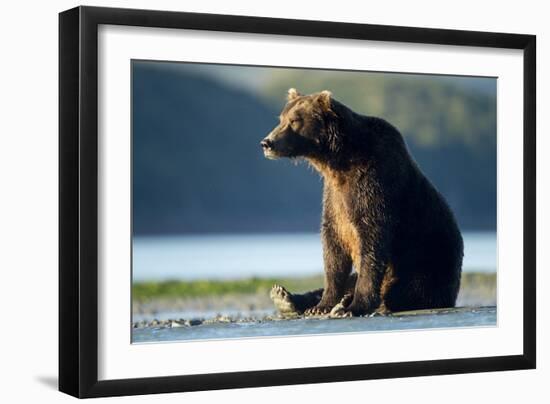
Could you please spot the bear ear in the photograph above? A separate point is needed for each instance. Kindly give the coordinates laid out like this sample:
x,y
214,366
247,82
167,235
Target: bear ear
x,y
324,99
292,94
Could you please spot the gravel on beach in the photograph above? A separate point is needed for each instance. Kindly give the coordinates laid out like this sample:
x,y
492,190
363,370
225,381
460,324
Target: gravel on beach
x,y
218,319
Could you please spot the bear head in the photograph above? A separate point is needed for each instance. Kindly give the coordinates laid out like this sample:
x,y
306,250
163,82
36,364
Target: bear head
x,y
308,127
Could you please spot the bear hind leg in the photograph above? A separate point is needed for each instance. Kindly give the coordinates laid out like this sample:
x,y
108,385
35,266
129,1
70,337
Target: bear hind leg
x,y
295,304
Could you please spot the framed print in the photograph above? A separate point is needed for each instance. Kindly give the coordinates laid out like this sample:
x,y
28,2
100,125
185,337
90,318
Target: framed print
x,y
251,201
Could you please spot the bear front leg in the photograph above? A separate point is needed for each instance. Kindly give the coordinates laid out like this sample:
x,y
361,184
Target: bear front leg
x,y
366,297
337,264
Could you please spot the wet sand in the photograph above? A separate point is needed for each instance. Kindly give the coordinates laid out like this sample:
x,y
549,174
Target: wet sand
x,y
224,327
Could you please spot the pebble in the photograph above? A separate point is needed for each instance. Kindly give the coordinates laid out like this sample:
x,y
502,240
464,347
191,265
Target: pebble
x,y
194,321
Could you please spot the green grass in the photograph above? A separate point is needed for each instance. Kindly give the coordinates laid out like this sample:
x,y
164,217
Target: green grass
x,y
143,291
478,280
182,289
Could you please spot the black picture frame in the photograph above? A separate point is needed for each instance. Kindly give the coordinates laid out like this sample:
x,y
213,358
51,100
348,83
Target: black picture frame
x,y
78,200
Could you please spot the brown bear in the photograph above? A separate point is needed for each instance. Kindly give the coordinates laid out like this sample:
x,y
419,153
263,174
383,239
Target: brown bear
x,y
381,215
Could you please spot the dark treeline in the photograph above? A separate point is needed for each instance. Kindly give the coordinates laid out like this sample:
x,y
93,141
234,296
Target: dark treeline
x,y
198,167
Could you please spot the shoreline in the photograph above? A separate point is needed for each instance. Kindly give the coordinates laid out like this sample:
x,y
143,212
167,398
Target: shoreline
x,y
249,298
240,319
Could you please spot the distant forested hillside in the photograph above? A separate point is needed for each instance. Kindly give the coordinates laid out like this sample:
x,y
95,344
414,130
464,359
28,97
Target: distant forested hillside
x,y
198,167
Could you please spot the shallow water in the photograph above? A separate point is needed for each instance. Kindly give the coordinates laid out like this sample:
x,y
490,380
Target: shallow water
x,y
466,317
246,255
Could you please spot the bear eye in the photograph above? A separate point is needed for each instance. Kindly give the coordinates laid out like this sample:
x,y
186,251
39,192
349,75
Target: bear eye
x,y
294,120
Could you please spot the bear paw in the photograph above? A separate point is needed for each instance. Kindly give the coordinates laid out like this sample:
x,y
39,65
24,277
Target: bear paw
x,y
340,311
282,299
381,311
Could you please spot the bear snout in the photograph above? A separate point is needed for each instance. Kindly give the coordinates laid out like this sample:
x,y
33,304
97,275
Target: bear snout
x,y
267,144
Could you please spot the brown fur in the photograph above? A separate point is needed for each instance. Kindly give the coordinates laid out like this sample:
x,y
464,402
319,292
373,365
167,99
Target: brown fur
x,y
340,214
381,215
389,280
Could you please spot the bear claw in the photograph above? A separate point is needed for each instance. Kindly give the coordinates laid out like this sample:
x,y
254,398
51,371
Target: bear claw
x,y
317,311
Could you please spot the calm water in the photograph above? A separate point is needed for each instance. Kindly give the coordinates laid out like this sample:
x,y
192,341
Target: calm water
x,y
468,318
240,256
